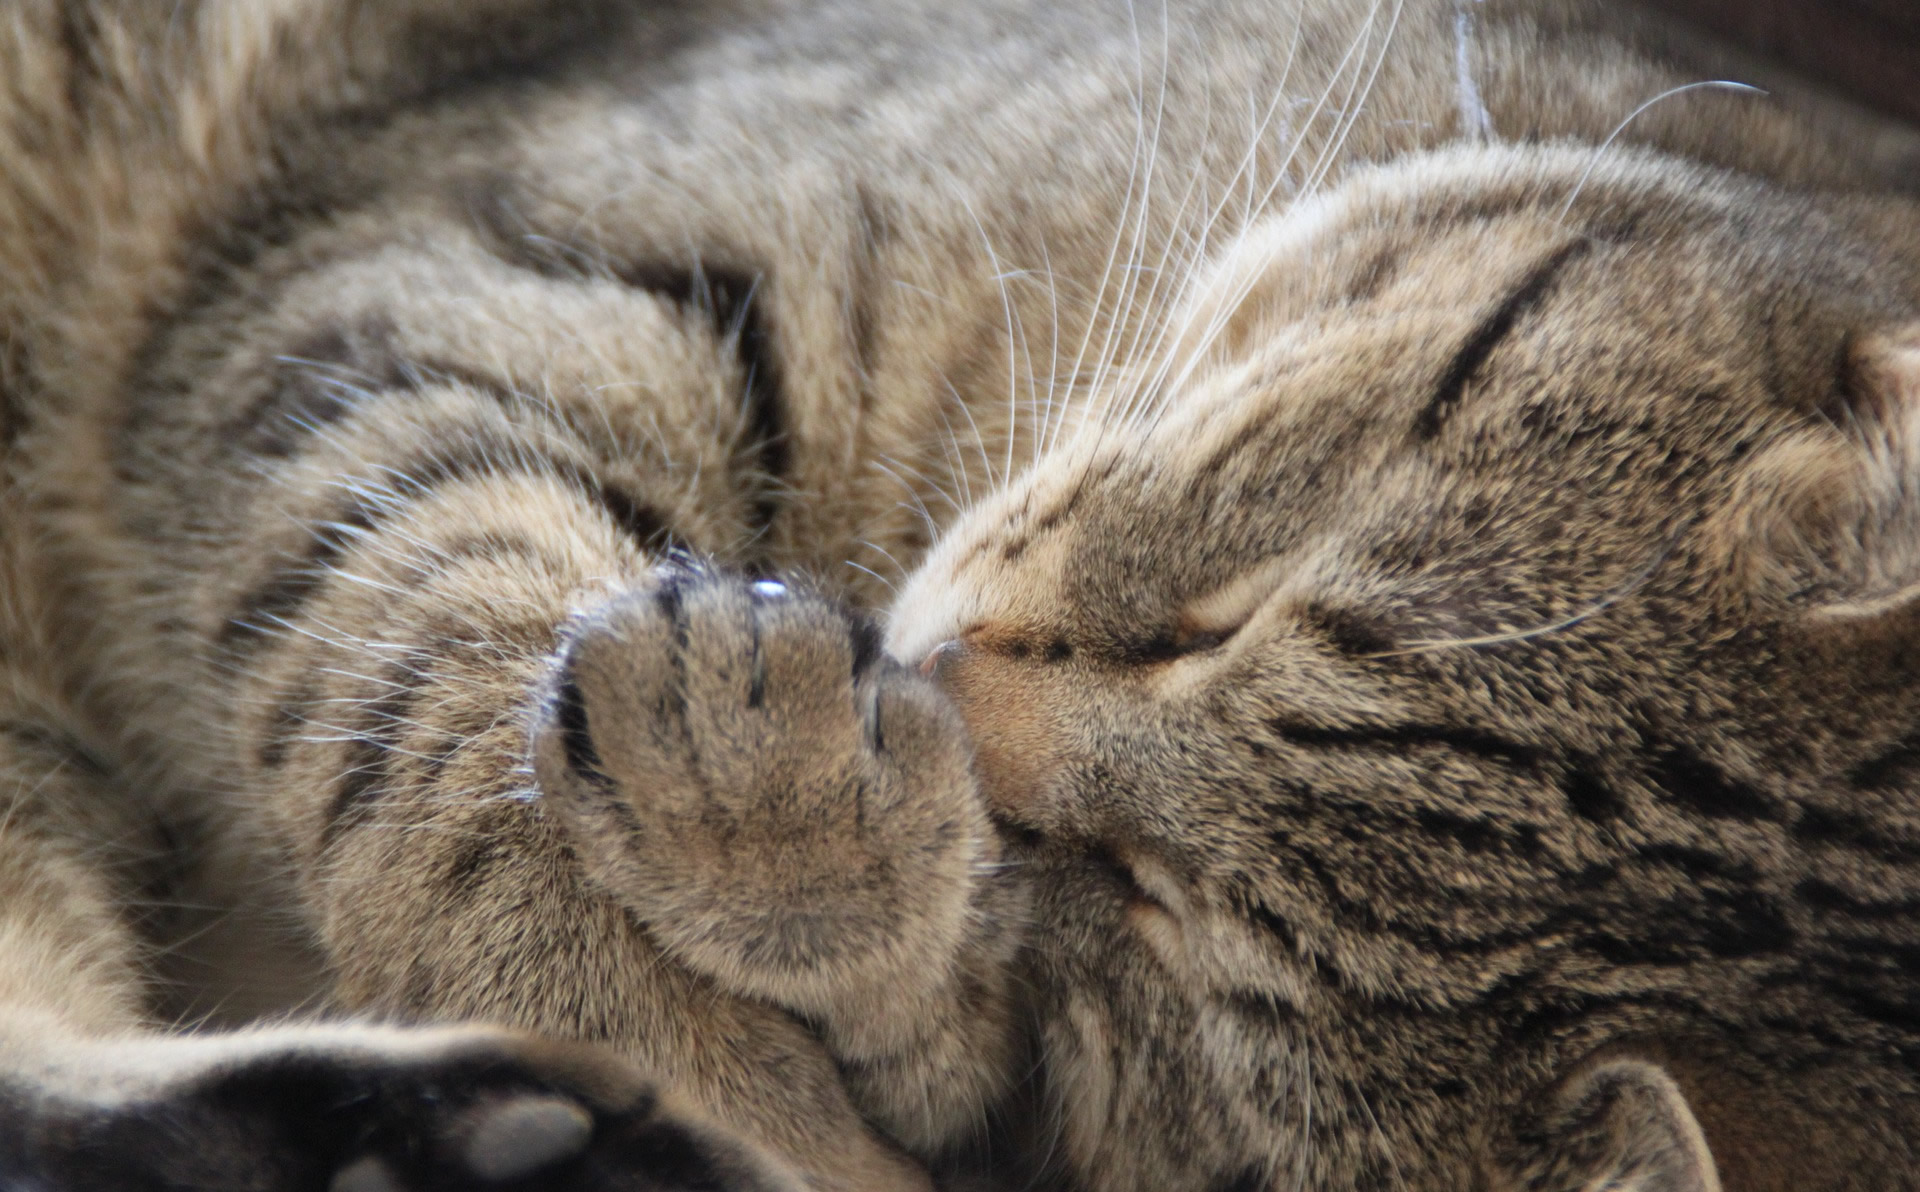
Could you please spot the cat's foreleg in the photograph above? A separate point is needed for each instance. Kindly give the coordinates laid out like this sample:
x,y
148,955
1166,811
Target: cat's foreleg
x,y
96,1096
390,764
795,815
379,594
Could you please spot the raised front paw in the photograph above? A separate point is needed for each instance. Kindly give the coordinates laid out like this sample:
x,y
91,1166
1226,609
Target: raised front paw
x,y
364,1110
787,808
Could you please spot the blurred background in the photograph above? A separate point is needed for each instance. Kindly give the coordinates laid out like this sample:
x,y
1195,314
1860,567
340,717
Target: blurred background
x,y
1865,50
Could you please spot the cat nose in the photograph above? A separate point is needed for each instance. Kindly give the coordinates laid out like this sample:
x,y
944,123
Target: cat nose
x,y
941,655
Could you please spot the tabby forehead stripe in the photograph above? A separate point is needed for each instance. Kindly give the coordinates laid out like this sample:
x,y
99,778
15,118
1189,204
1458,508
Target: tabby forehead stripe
x,y
1682,775
1461,739
1885,770
1473,355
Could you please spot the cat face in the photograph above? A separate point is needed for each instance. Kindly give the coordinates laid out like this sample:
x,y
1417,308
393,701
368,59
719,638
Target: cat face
x,y
1454,630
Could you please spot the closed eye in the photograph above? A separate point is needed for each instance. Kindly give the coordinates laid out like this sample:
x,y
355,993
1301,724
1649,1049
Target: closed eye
x,y
1171,644
1212,620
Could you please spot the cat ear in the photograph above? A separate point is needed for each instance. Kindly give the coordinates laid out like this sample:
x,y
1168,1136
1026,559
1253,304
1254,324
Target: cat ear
x,y
1623,1126
1830,516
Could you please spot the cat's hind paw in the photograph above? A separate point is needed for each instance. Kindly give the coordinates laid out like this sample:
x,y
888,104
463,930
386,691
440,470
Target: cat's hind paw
x,y
365,1110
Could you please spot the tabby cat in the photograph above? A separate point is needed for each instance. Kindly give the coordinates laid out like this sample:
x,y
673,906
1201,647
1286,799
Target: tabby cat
x,y
1406,520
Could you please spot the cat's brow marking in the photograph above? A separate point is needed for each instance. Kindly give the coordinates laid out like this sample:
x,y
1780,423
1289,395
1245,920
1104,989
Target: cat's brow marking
x,y
1480,345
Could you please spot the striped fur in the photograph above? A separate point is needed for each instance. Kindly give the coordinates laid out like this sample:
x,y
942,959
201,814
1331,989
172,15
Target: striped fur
x,y
1403,680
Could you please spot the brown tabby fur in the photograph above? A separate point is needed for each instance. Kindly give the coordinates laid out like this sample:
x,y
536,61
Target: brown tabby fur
x,y
1405,680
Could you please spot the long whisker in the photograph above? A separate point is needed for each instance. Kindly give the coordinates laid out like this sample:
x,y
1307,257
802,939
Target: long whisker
x,y
1475,120
1315,175
1124,308
1171,330
1669,93
1633,584
875,574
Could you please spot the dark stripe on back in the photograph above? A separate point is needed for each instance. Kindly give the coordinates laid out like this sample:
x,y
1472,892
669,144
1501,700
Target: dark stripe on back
x,y
1588,793
1473,355
1721,923
1271,921
1888,768
1820,826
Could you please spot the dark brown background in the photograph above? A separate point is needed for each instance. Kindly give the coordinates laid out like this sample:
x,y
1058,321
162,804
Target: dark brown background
x,y
1867,50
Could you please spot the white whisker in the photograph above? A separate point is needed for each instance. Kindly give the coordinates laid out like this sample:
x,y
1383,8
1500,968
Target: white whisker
x,y
1669,93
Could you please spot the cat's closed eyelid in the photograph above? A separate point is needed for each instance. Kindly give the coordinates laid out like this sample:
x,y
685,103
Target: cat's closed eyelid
x,y
1201,625
1221,613
1353,634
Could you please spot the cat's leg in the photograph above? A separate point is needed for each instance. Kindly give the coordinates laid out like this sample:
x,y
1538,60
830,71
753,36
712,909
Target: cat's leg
x,y
445,887
94,1098
338,524
401,540
70,964
391,767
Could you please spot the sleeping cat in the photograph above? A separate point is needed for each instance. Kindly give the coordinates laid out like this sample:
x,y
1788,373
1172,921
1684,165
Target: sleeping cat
x,y
1405,532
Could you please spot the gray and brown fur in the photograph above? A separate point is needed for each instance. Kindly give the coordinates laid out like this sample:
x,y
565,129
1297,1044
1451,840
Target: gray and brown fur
x,y
1408,684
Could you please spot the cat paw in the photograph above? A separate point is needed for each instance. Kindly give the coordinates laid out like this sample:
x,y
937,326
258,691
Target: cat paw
x,y
370,1110
788,809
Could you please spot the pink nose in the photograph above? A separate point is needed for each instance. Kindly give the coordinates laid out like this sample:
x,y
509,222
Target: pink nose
x,y
939,656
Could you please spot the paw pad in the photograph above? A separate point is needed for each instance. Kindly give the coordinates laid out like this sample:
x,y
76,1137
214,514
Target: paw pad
x,y
365,1175
514,1139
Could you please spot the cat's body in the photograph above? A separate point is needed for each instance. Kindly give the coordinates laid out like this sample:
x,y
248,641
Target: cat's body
x,y
1442,685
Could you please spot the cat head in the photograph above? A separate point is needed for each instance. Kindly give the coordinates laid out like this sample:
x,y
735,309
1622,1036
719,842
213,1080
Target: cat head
x,y
1438,649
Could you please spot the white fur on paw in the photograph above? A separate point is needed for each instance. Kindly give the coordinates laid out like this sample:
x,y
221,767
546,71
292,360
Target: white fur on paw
x,y
365,1175
516,1138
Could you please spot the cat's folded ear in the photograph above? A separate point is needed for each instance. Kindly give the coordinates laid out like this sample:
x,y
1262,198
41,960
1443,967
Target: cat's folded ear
x,y
1623,1126
1828,517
